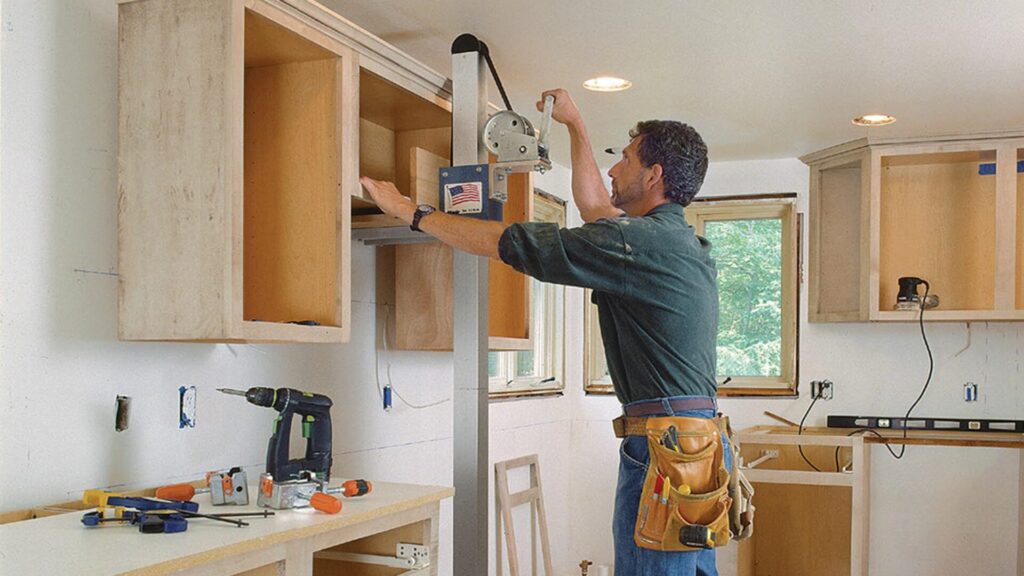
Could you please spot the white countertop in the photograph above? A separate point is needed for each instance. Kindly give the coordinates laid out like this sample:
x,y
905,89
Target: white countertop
x,y
62,544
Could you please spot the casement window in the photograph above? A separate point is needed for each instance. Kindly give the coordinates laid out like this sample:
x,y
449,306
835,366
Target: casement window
x,y
539,370
755,244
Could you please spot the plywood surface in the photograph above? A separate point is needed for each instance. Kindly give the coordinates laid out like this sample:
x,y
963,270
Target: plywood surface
x,y
50,545
397,109
938,223
292,176
1020,237
423,297
270,44
839,240
176,169
799,530
376,151
509,313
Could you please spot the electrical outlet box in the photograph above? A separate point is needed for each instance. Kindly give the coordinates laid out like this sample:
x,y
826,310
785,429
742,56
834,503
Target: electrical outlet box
x,y
821,389
418,552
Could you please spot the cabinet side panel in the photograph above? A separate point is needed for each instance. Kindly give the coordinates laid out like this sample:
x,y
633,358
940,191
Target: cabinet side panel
x,y
291,176
839,240
423,297
174,169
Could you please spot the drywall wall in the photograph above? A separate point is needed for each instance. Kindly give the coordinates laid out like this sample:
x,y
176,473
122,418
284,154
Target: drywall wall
x,y
877,369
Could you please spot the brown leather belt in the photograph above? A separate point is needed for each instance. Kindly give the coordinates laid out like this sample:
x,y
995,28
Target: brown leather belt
x,y
657,407
629,426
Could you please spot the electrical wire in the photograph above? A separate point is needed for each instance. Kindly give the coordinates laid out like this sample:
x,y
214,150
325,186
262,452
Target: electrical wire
x,y
927,382
387,370
800,430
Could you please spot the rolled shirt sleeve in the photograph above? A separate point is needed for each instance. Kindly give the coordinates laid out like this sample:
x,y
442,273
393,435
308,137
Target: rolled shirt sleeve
x,y
594,255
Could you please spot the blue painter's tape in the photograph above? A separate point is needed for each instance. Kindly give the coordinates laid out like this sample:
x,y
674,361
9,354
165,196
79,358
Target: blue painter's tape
x,y
989,168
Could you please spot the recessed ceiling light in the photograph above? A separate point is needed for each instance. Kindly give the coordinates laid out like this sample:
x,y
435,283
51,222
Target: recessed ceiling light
x,y
874,120
607,84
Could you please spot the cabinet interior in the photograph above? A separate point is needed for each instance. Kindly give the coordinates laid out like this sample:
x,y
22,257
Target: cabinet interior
x,y
404,139
938,222
291,176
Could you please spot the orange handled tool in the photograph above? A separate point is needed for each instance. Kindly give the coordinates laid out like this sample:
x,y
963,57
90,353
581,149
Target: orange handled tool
x,y
359,487
179,492
325,503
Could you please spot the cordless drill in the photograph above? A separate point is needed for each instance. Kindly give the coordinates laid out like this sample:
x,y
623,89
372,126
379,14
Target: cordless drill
x,y
315,410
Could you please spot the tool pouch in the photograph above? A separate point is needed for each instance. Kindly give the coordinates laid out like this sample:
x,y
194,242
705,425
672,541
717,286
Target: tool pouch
x,y
685,500
741,512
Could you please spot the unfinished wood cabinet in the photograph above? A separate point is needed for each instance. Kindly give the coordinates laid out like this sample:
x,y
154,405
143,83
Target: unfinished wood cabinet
x,y
236,166
793,501
423,288
948,210
405,138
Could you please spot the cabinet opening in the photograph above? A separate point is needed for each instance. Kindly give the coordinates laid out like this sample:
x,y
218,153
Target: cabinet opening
x,y
938,222
291,176
509,314
404,139
840,215
1020,229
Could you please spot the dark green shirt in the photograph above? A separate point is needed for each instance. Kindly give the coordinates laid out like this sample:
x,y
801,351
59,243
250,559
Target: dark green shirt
x,y
654,286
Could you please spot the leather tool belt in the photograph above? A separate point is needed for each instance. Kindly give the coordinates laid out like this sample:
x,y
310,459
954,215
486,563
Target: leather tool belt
x,y
689,501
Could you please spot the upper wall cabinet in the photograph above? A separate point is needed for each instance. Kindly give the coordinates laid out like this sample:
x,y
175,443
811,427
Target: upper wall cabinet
x,y
237,165
947,210
405,137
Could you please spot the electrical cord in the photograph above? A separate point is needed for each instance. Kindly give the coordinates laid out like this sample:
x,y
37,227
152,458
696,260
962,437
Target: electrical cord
x,y
800,430
387,370
927,382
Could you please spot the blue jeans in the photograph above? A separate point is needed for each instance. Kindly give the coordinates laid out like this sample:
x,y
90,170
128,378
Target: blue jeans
x,y
630,559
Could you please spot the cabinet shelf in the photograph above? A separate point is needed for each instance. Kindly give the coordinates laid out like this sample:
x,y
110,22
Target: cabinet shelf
x,y
948,210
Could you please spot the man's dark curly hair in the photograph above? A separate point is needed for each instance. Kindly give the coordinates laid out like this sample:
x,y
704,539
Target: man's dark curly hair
x,y
681,152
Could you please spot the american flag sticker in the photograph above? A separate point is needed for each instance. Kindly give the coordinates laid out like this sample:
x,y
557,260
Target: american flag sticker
x,y
463,198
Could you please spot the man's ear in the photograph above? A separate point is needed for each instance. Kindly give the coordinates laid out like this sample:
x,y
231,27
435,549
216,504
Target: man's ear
x,y
653,176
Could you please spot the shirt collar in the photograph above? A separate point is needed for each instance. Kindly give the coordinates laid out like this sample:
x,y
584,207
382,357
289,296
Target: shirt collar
x,y
667,207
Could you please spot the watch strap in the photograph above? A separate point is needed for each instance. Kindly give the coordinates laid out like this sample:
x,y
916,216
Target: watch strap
x,y
421,211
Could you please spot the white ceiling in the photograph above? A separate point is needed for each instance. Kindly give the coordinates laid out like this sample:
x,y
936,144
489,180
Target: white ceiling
x,y
764,79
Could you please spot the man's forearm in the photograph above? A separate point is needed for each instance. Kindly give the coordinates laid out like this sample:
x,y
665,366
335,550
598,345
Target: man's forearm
x,y
587,187
478,237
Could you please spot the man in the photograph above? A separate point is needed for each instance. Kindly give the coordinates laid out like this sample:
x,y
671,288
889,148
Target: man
x,y
653,281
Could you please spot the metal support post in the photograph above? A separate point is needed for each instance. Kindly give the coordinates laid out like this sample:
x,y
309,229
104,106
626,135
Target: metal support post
x,y
469,112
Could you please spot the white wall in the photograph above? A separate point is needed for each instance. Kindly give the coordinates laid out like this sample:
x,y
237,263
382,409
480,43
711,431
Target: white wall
x,y
923,506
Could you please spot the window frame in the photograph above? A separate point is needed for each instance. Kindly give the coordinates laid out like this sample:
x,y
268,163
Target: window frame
x,y
549,344
725,208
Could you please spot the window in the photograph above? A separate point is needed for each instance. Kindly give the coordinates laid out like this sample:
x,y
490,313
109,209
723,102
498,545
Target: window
x,y
538,370
755,243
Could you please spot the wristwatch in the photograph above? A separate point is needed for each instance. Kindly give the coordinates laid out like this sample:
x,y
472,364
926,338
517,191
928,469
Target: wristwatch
x,y
421,211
